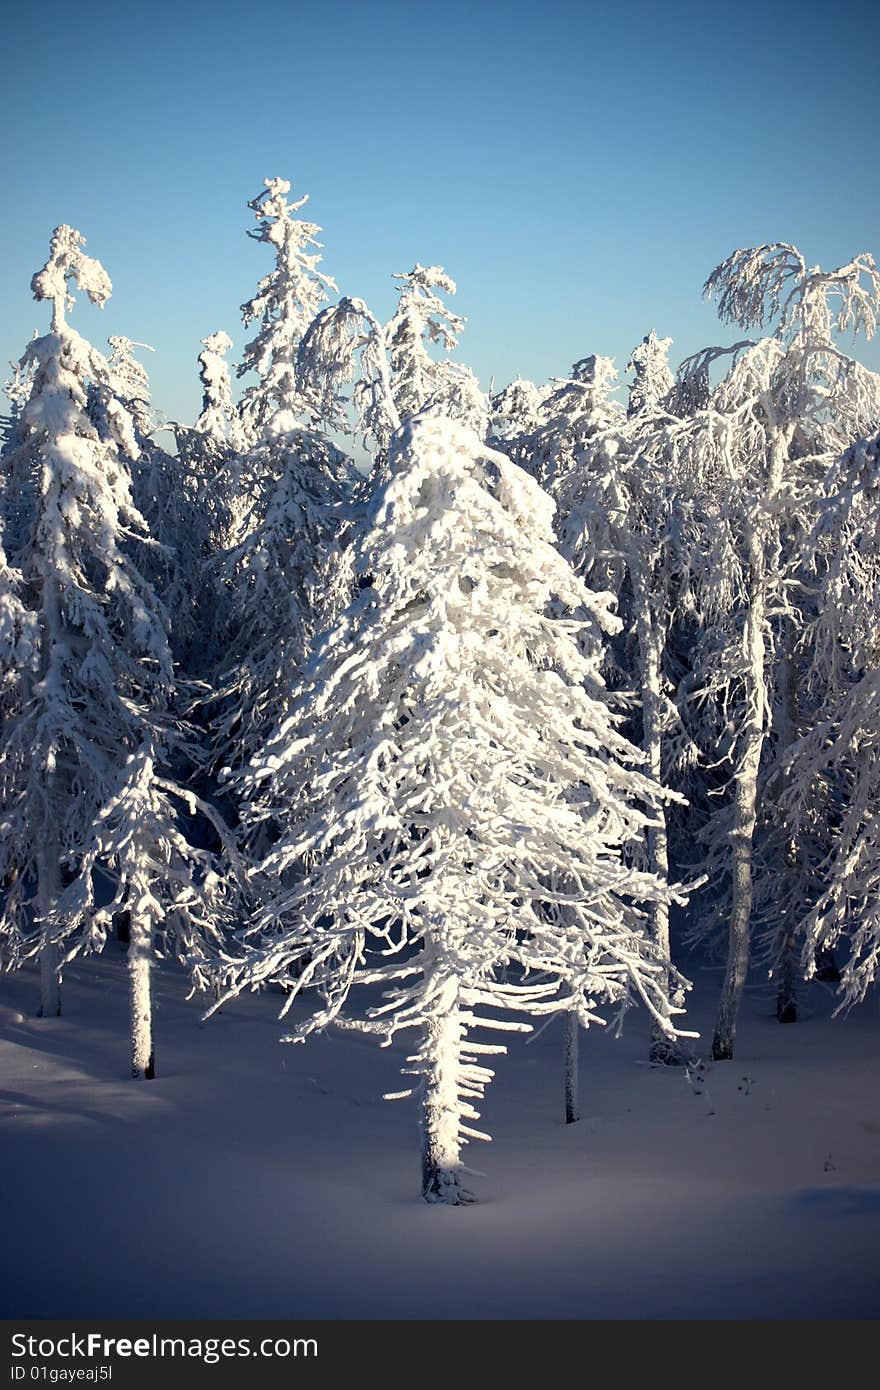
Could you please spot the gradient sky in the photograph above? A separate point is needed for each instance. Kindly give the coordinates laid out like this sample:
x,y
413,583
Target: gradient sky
x,y
578,168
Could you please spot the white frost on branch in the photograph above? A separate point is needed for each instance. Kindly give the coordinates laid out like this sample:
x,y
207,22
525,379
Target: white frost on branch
x,y
457,808
89,678
286,302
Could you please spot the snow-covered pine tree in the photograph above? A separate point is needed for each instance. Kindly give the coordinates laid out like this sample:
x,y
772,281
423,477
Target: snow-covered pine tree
x,y
129,382
209,501
515,411
419,380
169,888
54,436
652,380
211,449
574,411
346,344
88,674
286,302
457,805
421,320
218,421
281,489
284,576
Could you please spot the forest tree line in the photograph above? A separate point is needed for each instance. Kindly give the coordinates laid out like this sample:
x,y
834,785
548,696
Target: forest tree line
x,y
462,726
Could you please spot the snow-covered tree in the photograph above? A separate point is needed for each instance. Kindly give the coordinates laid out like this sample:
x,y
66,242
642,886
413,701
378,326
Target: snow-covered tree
x,y
277,507
88,673
574,411
652,378
789,404
627,523
211,488
218,422
421,321
515,410
835,765
284,576
346,344
457,805
390,364
198,499
418,380
286,302
170,890
129,382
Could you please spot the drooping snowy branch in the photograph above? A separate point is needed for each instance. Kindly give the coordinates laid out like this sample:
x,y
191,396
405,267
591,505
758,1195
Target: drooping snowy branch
x,y
346,344
393,373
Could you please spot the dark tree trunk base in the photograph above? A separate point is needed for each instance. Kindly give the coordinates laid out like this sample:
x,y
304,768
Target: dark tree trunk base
x,y
826,968
721,1051
149,1072
459,1198
444,1189
663,1052
787,1012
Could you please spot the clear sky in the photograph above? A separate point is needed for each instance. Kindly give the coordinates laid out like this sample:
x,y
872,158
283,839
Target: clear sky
x,y
578,168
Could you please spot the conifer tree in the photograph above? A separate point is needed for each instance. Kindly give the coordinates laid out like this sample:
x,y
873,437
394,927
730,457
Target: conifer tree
x,y
652,380
457,807
286,302
88,672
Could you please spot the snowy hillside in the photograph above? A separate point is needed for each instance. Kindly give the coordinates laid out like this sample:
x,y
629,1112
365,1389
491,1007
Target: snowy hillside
x,y
258,1180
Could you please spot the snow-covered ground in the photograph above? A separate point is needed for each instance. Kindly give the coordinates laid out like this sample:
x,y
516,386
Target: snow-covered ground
x,y
258,1180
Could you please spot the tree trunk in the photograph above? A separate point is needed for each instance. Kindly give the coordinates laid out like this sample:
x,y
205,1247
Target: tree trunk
x,y
50,982
441,1136
763,533
744,813
786,964
786,997
140,960
48,853
49,874
572,1098
662,1049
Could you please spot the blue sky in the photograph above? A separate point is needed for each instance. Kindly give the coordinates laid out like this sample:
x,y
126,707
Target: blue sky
x,y
578,168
